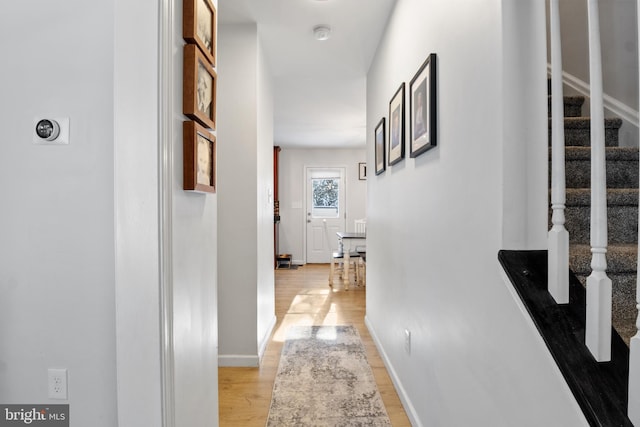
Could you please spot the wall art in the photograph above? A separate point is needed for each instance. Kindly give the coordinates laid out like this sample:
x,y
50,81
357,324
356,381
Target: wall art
x,y
396,126
199,26
199,158
199,87
423,111
380,147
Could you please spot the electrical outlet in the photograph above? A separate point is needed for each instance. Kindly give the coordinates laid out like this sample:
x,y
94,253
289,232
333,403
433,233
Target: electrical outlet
x,y
58,384
407,341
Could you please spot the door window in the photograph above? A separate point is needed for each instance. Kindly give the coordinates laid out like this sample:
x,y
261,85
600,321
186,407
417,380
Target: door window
x,y
325,197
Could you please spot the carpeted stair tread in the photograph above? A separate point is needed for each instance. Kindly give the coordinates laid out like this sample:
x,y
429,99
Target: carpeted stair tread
x,y
621,168
577,131
585,122
572,106
615,196
621,258
612,153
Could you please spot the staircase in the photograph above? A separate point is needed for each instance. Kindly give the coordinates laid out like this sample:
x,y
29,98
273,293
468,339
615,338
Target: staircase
x,y
622,209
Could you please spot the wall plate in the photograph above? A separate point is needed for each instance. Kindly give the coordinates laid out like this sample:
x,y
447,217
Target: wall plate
x,y
63,137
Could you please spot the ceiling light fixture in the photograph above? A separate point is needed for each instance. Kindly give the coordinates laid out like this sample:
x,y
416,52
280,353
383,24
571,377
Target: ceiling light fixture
x,y
322,32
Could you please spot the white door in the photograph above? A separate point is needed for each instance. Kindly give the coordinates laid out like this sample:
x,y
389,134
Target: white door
x,y
326,203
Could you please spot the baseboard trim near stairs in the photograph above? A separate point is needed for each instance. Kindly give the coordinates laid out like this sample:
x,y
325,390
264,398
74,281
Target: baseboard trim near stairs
x,y
618,108
599,388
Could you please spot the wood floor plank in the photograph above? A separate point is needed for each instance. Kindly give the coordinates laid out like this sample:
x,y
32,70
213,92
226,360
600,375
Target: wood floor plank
x,y
303,297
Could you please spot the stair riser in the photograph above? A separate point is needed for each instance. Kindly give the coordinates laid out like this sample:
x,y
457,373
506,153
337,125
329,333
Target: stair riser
x,y
620,174
619,262
622,224
570,109
581,137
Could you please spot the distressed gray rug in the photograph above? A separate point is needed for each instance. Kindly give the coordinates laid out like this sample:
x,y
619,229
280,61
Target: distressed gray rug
x,y
324,379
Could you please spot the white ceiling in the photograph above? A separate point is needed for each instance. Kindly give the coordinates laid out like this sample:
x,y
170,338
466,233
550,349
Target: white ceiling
x,y
319,86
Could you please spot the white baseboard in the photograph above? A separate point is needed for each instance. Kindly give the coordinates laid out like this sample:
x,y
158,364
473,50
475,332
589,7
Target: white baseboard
x,y
244,360
404,398
265,339
238,361
618,108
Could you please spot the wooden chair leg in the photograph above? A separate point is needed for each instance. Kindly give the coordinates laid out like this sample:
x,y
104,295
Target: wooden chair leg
x,y
331,271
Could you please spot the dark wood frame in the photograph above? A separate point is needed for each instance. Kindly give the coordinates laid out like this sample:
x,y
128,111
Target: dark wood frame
x,y
190,131
362,171
193,59
190,27
428,140
380,146
397,102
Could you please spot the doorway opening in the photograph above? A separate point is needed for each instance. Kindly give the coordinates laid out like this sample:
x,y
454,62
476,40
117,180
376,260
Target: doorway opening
x,y
326,211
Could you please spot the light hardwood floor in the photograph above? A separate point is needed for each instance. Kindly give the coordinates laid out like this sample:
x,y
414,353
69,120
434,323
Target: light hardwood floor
x,y
303,297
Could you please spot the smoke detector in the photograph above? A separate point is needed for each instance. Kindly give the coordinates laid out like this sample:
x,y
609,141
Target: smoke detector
x,y
322,32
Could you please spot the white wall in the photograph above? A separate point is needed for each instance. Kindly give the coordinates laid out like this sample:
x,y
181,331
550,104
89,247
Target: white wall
x,y
57,303
194,269
137,269
80,275
266,278
525,153
292,228
245,181
435,225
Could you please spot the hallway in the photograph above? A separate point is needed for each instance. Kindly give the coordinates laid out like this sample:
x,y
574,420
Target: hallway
x,y
302,298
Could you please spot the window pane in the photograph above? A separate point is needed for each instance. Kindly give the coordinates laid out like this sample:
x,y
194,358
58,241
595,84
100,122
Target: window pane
x,y
326,192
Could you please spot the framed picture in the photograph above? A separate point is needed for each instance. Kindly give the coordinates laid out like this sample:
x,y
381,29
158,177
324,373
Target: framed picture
x,y
422,99
199,158
199,87
380,146
396,126
362,171
199,26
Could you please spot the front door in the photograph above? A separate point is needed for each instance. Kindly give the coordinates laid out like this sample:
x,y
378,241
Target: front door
x,y
326,202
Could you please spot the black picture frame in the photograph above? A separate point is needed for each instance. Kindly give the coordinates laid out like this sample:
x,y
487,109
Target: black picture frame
x,y
423,127
380,146
396,126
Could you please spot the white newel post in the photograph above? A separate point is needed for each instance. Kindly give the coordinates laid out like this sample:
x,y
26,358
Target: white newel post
x,y
558,237
634,350
598,323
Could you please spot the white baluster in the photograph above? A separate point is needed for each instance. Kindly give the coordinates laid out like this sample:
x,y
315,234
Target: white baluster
x,y
558,237
634,347
598,323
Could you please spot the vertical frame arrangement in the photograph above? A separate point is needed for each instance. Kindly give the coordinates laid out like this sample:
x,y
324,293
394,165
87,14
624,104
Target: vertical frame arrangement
x,y
199,158
199,30
423,113
396,126
380,146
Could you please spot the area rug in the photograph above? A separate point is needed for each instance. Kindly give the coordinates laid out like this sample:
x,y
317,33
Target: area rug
x,y
324,379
